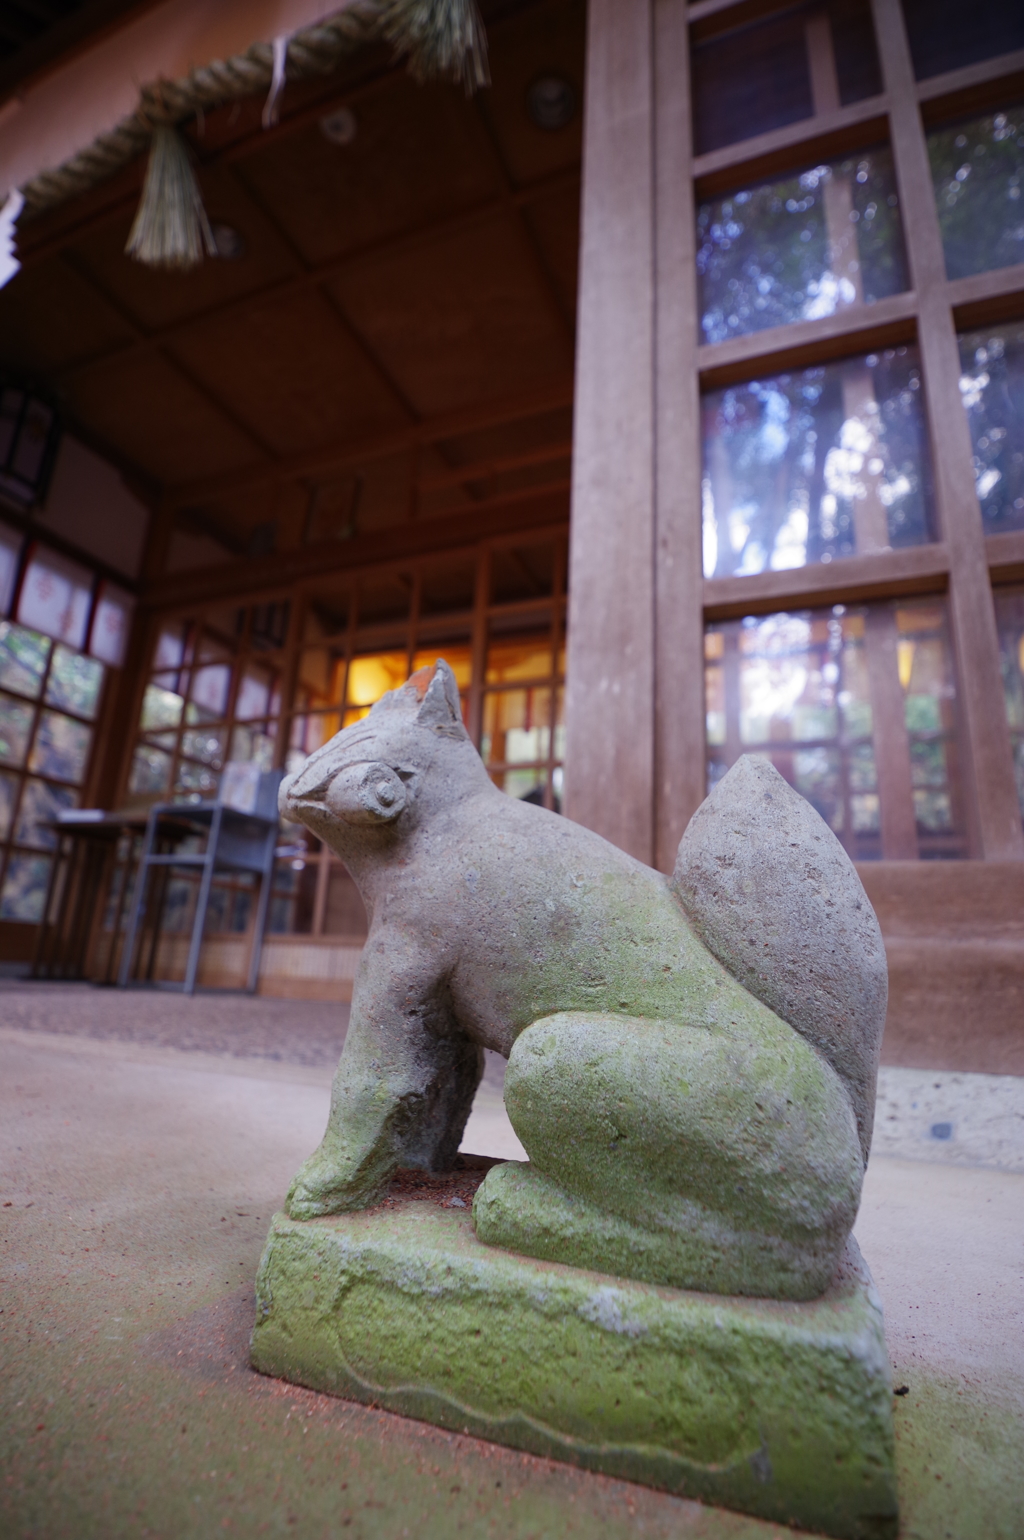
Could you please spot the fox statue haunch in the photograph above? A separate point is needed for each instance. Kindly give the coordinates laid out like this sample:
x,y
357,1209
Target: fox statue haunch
x,y
679,1130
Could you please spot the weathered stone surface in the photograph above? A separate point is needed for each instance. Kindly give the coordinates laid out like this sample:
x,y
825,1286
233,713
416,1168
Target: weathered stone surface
x,y
779,1410
659,1098
772,893
700,1163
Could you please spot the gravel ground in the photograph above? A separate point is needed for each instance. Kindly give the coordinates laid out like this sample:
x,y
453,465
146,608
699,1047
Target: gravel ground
x,y
307,1032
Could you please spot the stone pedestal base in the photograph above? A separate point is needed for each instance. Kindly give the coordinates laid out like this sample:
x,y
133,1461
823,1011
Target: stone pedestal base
x,y
780,1410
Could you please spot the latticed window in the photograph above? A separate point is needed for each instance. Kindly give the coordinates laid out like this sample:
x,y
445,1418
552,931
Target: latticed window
x,y
50,698
864,209
270,684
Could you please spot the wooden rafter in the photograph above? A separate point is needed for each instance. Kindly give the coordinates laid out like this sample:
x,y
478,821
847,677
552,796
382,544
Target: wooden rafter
x,y
269,575
336,457
315,274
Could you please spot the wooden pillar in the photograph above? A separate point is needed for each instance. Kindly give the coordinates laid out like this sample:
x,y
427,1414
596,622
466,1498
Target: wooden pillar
x,y
679,751
985,739
610,693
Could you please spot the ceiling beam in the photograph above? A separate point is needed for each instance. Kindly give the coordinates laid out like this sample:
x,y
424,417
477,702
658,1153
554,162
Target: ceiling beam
x,y
268,575
217,403
334,457
314,274
485,136
499,465
303,277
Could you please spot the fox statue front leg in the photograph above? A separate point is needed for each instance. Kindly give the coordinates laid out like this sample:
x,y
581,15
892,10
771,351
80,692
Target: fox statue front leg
x,y
402,1091
729,1164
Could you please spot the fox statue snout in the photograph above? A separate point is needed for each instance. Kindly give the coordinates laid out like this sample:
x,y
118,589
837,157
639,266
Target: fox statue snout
x,y
362,793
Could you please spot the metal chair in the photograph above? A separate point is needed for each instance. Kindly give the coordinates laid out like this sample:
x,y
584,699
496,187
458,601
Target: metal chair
x,y
236,841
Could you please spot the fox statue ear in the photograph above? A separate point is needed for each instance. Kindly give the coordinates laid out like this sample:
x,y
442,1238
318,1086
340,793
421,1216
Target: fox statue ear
x,y
441,709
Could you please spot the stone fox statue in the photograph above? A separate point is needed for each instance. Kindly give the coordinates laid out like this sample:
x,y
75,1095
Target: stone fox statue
x,y
691,1061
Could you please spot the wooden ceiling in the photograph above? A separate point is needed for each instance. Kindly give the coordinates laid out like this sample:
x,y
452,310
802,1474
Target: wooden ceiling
x,y
394,348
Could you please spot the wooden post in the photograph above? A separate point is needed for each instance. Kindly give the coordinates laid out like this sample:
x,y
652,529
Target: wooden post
x,y
610,696
679,782
985,738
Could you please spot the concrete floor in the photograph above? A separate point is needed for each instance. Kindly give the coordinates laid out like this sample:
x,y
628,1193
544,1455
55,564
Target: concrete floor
x,y
139,1171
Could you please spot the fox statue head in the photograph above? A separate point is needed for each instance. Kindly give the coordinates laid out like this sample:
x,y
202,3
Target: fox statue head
x,y
385,772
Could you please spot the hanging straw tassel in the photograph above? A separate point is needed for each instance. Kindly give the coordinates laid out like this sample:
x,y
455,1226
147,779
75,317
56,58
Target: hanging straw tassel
x,y
442,38
171,228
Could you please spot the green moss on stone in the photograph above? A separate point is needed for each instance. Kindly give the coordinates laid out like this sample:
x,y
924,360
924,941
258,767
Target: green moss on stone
x,y
776,1409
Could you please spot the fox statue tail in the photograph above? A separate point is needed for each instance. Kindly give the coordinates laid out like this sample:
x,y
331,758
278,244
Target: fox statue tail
x,y
773,895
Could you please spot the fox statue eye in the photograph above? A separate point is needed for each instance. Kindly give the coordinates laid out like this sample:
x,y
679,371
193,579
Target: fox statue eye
x,y
367,794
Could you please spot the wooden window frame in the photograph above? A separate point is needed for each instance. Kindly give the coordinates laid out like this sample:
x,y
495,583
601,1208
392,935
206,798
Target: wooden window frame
x,y
411,632
963,564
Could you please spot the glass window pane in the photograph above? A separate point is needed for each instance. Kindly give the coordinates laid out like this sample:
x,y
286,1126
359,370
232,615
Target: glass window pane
x,y
750,81
800,248
808,467
1010,623
756,78
61,747
205,744
41,803
170,647
8,797
978,172
15,726
74,682
321,676
55,597
311,733
458,657
372,676
253,695
517,727
798,688
344,914
24,891
992,388
255,744
208,698
23,658
10,551
160,708
520,658
293,901
195,783
111,625
150,773
948,34
525,785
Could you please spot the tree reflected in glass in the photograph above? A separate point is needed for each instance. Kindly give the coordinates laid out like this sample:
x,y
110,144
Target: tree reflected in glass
x,y
978,172
816,465
802,248
992,390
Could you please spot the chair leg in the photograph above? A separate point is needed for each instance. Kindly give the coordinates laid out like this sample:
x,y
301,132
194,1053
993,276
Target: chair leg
x,y
262,905
202,902
136,911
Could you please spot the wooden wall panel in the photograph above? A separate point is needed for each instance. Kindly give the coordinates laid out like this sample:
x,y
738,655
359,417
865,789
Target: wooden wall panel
x,y
610,705
679,784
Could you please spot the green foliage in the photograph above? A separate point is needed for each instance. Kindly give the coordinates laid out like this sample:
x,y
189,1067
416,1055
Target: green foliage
x,y
763,253
978,172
